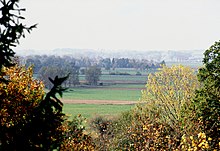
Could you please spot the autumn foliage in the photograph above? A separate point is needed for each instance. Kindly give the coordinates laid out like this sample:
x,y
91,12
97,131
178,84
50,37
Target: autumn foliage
x,y
19,96
175,112
164,119
168,94
31,120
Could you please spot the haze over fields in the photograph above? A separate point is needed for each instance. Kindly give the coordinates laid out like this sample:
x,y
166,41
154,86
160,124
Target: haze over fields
x,y
115,25
168,56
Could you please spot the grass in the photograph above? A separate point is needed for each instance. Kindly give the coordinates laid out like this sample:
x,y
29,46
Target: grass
x,y
90,110
102,94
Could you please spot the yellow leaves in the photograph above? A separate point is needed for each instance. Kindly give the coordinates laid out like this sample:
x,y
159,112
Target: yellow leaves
x,y
201,135
195,143
22,91
168,90
144,127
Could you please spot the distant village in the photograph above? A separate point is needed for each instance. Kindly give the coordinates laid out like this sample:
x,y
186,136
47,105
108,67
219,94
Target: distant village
x,y
179,56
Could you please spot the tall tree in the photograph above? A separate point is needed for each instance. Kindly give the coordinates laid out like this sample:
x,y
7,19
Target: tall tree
x,y
11,30
169,92
92,75
207,98
28,121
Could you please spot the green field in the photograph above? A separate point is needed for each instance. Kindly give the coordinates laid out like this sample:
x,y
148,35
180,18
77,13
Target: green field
x,y
91,110
135,86
103,94
115,87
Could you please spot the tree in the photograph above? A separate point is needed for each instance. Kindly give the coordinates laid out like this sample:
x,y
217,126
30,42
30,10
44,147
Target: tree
x,y
11,30
65,69
207,99
92,75
28,121
73,72
169,92
106,63
35,62
49,71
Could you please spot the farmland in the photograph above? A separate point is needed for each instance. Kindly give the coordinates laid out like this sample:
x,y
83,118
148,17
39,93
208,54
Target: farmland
x,y
103,94
91,110
117,93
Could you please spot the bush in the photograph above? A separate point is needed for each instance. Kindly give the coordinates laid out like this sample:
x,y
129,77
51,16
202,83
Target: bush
x,y
75,137
135,131
102,130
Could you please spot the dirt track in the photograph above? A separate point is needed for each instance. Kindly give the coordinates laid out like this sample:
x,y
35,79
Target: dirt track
x,y
97,101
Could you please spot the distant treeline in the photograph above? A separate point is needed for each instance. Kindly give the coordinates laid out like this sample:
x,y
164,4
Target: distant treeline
x,y
85,62
51,66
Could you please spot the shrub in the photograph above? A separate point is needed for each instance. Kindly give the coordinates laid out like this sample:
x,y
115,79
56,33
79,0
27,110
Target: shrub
x,y
102,128
135,131
75,137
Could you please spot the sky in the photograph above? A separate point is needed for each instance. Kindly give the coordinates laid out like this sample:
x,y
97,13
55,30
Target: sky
x,y
122,24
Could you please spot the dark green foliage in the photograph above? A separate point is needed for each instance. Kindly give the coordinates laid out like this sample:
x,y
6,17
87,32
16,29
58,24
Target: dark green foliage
x,y
46,120
11,29
207,100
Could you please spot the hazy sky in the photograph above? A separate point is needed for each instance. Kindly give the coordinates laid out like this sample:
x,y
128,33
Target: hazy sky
x,y
122,24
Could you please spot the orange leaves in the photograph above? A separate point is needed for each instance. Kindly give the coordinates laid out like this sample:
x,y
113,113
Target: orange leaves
x,y
20,95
